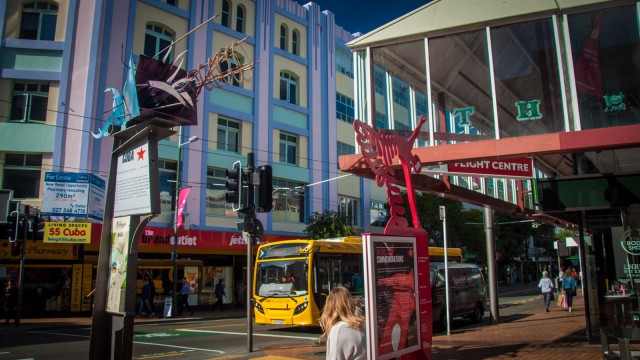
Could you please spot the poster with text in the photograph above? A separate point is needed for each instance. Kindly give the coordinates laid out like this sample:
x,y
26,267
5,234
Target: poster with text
x,y
133,188
118,264
391,275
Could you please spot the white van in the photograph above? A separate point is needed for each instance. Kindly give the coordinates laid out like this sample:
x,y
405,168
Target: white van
x,y
467,292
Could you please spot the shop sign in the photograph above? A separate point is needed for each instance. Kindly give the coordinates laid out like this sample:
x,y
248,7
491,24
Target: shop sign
x,y
40,250
519,167
631,242
73,194
67,232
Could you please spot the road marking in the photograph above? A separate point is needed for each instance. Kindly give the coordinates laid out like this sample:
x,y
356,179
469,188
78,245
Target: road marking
x,y
245,334
135,342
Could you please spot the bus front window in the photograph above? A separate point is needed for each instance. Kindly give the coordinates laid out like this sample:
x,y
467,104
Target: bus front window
x,y
281,278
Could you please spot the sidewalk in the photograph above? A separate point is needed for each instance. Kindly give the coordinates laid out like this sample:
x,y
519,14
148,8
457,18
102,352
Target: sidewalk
x,y
539,335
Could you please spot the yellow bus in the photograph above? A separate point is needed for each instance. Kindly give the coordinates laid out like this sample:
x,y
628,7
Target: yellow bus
x,y
292,278
436,254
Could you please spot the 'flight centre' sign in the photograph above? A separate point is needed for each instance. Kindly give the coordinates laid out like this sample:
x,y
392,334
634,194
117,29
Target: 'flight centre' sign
x,y
520,168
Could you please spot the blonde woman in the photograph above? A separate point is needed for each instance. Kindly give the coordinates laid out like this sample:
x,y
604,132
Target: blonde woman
x,y
341,326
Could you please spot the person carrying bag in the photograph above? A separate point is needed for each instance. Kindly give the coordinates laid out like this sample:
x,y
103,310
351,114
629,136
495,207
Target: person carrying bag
x,y
546,286
569,288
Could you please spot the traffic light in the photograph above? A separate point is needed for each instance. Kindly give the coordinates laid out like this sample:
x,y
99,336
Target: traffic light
x,y
12,226
233,186
36,227
16,248
265,189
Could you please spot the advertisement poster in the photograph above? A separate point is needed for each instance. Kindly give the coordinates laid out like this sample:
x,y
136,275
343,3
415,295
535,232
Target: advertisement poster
x,y
118,264
191,273
392,288
67,232
73,194
133,189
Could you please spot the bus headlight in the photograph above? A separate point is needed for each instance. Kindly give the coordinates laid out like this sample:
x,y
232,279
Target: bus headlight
x,y
258,306
300,308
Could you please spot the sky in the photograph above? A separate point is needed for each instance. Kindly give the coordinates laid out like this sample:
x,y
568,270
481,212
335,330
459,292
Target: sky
x,y
365,15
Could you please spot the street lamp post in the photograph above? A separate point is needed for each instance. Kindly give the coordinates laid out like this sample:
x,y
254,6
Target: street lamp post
x,y
174,252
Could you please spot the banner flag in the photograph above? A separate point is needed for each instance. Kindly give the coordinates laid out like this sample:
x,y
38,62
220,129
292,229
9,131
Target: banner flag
x,y
182,200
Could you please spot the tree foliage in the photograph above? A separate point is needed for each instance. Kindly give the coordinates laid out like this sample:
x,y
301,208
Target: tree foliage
x,y
462,225
329,224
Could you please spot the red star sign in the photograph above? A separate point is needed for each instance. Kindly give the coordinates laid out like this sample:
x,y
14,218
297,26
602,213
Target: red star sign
x,y
141,154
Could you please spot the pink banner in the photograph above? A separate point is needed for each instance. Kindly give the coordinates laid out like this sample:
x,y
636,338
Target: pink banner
x,y
587,67
182,200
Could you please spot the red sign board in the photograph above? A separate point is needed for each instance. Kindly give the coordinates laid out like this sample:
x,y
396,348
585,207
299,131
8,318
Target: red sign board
x,y
520,167
196,239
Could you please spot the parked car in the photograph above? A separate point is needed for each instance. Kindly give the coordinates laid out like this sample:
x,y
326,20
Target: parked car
x,y
467,292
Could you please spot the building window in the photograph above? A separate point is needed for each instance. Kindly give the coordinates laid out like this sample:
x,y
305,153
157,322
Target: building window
x,y
228,135
167,184
232,62
401,116
288,201
288,87
288,148
295,42
240,20
400,92
215,201
225,17
349,207
157,39
344,108
380,81
344,62
345,149
381,121
29,102
284,37
39,21
171,2
22,175
379,213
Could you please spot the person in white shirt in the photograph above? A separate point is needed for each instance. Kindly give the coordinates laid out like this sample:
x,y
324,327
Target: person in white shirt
x,y
546,286
343,327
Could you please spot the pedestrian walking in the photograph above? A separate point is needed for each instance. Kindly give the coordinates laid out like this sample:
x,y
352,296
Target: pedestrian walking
x,y
183,295
546,287
569,288
11,302
343,327
220,293
148,293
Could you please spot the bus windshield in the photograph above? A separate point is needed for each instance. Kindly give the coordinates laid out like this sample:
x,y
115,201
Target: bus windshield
x,y
281,278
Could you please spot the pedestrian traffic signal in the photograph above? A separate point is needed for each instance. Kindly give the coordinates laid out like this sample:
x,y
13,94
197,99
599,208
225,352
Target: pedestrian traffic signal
x,y
233,186
16,248
265,189
13,226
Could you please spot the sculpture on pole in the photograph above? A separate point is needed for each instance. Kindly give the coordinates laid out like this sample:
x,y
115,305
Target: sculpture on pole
x,y
158,89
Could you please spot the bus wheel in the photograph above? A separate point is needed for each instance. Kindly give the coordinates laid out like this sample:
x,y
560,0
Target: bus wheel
x,y
478,312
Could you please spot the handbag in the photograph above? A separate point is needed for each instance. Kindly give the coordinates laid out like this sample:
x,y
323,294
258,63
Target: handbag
x,y
574,292
551,298
560,297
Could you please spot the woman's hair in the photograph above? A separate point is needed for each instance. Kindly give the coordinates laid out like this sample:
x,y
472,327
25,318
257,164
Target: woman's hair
x,y
339,307
568,272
